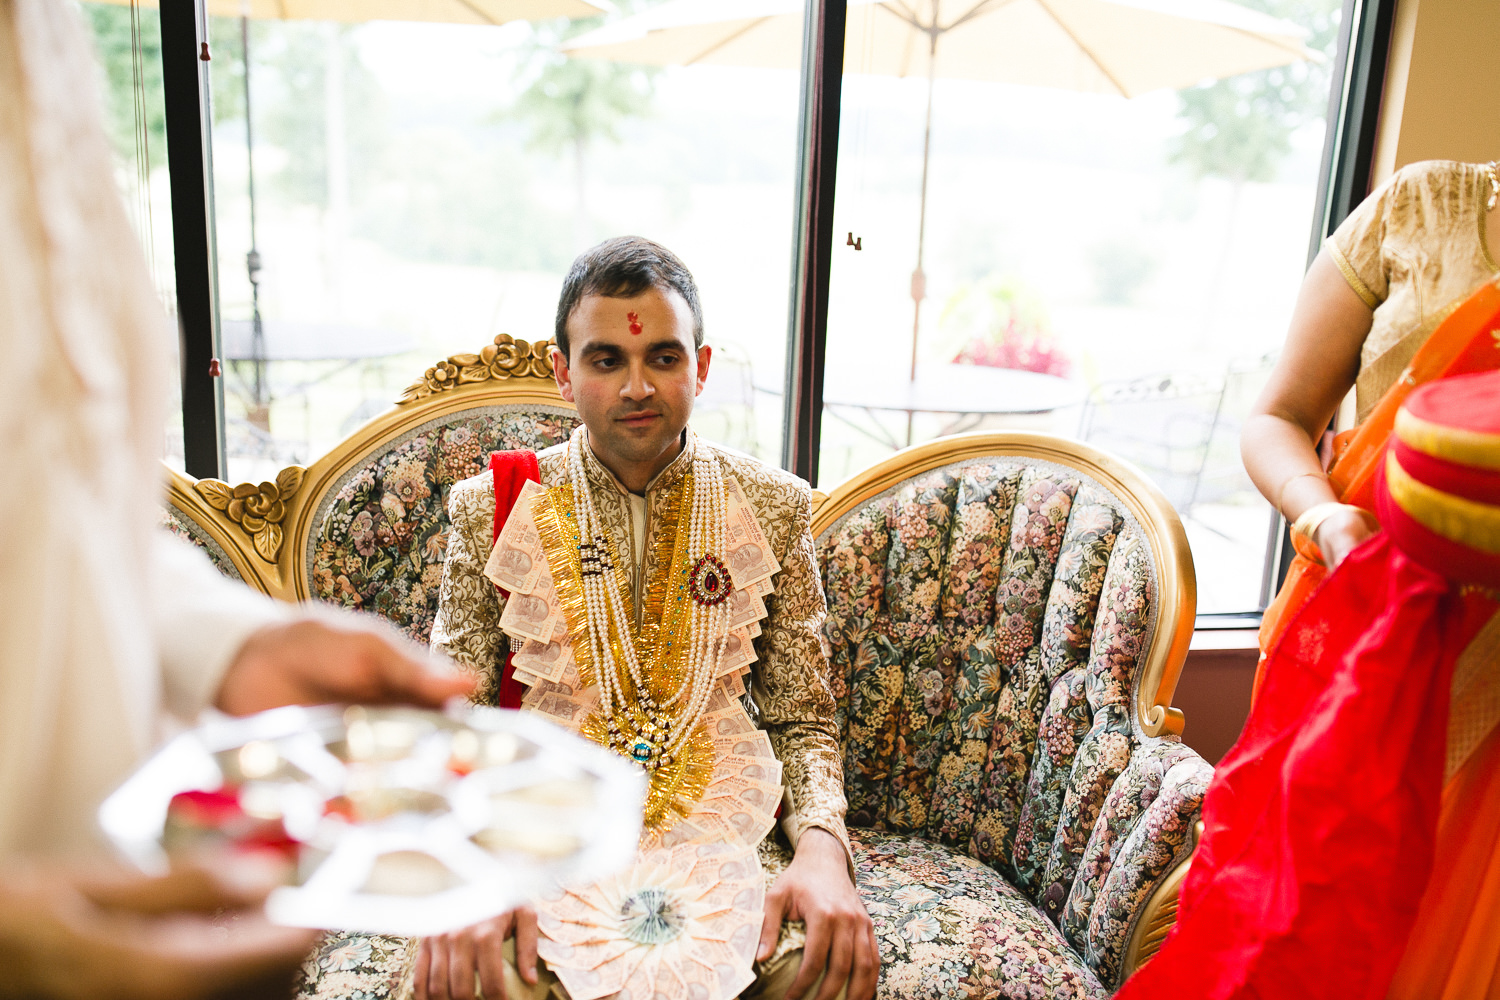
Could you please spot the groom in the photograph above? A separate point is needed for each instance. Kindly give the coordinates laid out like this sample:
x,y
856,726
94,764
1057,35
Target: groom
x,y
630,356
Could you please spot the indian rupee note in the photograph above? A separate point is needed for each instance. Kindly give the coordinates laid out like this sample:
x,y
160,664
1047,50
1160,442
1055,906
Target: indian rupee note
x,y
761,768
516,559
750,557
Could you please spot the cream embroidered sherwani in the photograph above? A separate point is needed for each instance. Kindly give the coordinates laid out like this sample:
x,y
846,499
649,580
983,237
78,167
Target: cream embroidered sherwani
x,y
789,683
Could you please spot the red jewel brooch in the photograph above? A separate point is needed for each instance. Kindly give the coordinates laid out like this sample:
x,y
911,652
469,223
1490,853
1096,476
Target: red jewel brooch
x,y
709,582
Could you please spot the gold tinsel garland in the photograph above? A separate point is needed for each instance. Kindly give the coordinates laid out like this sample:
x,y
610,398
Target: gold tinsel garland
x,y
662,642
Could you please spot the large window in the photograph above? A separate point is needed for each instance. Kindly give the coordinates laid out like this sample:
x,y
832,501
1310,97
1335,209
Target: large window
x,y
127,41
421,188
1056,256
1083,217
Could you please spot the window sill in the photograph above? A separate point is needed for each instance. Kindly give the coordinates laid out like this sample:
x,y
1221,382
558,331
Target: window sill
x,y
1225,639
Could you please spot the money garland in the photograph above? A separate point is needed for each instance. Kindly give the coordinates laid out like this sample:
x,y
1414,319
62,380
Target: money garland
x,y
652,685
684,922
689,911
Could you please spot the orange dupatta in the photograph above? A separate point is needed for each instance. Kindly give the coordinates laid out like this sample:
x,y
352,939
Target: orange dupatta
x,y
1467,341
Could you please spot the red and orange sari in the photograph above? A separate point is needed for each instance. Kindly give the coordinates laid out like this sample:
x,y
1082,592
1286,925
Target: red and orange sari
x,y
1350,850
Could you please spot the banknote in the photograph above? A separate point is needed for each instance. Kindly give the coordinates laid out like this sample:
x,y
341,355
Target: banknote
x,y
668,979
750,557
720,700
532,616
561,709
726,863
733,819
730,722
733,685
584,956
762,794
740,929
734,979
727,693
684,832
546,660
741,828
517,559
744,608
761,768
730,895
584,984
754,743
739,653
568,684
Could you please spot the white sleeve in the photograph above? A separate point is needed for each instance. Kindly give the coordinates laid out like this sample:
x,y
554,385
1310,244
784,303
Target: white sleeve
x,y
201,618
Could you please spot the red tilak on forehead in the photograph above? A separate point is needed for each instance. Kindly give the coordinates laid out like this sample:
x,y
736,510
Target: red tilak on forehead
x,y
635,323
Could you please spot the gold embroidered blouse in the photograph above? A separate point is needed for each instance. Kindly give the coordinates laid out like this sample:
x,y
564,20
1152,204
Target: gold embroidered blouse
x,y
1413,250
790,688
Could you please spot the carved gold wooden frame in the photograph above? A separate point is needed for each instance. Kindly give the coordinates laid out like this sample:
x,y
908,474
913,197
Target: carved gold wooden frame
x,y
264,527
1177,583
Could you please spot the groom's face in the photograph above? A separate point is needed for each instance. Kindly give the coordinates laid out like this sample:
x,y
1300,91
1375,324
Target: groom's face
x,y
633,372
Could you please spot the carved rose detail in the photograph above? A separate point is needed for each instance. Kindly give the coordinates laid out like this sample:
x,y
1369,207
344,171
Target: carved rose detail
x,y
506,358
258,509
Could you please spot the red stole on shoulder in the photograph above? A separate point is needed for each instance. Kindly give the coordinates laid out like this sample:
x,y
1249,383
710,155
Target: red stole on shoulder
x,y
511,470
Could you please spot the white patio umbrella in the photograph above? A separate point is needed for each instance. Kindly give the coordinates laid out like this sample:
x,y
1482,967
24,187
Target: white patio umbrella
x,y
1123,47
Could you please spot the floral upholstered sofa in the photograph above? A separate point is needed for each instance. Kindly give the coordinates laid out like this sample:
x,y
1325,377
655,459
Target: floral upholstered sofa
x,y
1007,616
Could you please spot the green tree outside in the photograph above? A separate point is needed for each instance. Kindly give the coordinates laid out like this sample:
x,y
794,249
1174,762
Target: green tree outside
x,y
115,46
571,104
1240,128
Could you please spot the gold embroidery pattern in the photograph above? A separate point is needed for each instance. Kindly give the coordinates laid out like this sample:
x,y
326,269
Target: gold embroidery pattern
x,y
791,690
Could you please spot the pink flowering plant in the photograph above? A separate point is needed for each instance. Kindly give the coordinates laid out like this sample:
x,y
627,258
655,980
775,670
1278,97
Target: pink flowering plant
x,y
1000,323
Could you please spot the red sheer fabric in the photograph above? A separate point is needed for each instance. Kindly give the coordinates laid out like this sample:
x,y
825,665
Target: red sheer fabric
x,y
1320,823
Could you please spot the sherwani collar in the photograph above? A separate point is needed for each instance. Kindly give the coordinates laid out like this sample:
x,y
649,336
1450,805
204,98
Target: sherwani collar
x,y
605,481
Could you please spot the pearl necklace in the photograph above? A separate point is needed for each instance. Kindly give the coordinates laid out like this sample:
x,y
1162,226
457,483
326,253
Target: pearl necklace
x,y
651,730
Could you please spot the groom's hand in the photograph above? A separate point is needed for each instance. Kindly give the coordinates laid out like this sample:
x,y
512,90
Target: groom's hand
x,y
815,889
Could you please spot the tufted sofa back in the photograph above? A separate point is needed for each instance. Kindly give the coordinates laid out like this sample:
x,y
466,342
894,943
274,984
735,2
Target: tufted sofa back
x,y
380,531
366,526
1001,629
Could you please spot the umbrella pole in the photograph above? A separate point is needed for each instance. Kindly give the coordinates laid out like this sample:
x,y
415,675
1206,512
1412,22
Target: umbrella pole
x,y
918,279
259,414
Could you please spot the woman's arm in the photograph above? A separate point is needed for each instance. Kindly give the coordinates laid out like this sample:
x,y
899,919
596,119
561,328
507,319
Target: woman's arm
x,y
1318,366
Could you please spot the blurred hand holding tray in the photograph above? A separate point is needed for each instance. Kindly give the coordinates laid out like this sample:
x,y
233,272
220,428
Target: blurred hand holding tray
x,y
388,820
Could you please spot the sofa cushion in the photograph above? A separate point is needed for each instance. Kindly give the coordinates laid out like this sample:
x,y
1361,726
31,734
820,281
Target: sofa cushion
x,y
950,926
353,966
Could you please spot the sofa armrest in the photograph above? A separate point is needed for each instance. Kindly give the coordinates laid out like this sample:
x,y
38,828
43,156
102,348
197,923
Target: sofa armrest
x,y
1159,915
1149,863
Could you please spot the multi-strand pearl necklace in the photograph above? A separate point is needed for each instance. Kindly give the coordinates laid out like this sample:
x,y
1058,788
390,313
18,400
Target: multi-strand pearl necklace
x,y
653,731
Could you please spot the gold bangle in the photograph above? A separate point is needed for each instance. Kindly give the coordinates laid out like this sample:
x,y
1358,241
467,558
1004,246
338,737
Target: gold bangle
x,y
1305,528
1281,496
